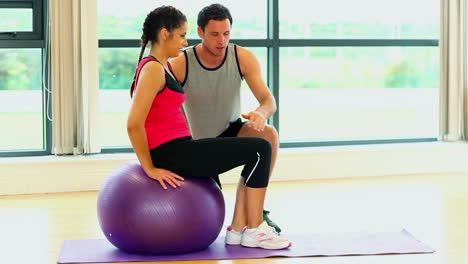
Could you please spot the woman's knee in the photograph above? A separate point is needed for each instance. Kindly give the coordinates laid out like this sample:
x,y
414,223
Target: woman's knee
x,y
264,146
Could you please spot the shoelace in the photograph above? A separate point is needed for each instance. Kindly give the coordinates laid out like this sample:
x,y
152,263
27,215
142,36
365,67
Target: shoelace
x,y
270,231
272,234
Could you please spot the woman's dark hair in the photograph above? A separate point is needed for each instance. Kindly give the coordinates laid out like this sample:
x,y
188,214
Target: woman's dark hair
x,y
167,17
213,12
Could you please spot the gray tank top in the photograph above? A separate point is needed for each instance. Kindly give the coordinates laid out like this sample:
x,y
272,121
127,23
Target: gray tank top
x,y
212,94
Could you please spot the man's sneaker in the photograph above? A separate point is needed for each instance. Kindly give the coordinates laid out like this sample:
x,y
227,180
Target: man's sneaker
x,y
264,236
234,237
267,219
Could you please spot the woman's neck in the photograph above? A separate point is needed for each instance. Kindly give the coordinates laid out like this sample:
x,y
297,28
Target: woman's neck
x,y
159,55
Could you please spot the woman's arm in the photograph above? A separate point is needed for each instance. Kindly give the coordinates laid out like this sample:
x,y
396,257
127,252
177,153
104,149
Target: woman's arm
x,y
149,83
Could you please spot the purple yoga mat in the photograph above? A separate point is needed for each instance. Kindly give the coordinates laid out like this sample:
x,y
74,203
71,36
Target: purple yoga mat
x,y
327,244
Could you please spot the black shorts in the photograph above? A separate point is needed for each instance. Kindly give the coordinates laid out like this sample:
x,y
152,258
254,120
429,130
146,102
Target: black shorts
x,y
210,157
233,128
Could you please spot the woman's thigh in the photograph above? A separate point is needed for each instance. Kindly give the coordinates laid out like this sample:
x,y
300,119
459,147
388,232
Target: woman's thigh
x,y
209,157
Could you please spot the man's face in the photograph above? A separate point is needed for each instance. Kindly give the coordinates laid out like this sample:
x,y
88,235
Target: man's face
x,y
216,36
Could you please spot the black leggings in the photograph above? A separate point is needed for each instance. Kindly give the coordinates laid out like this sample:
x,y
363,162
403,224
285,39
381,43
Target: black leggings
x,y
212,156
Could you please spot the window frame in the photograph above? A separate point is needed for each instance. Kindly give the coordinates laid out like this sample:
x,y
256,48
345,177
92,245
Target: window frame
x,y
273,26
34,39
37,20
273,43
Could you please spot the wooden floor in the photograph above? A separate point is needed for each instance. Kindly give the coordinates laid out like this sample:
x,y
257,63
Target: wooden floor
x,y
432,207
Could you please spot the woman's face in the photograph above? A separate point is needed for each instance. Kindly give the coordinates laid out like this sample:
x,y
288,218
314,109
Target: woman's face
x,y
177,40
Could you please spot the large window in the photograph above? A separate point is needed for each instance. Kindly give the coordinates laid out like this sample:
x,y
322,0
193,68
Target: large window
x,y
116,71
119,32
343,72
359,19
117,67
124,19
22,100
358,93
358,71
354,72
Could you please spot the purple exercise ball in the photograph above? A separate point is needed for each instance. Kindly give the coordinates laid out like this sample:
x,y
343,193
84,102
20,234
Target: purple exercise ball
x,y
138,216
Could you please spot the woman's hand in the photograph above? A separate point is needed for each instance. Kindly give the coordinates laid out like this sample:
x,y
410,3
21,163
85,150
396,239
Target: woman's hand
x,y
165,176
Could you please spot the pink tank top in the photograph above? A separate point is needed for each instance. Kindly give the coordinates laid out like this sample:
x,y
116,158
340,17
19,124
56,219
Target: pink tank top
x,y
165,120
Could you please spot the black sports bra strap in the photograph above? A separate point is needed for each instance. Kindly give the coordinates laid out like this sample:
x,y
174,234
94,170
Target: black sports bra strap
x,y
169,66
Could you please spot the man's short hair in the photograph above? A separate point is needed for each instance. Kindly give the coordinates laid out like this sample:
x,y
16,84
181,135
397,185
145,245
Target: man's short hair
x,y
213,12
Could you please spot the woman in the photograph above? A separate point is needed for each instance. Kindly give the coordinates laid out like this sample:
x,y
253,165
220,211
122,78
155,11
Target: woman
x,y
162,141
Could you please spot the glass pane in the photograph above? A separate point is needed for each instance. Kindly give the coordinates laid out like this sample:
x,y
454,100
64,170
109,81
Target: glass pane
x,y
21,99
124,19
16,19
352,93
116,71
398,19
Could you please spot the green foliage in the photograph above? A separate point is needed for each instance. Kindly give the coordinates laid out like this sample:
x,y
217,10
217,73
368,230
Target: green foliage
x,y
117,68
316,67
357,30
359,67
401,75
21,69
111,27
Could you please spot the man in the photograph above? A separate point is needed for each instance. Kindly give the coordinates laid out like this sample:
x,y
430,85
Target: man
x,y
211,74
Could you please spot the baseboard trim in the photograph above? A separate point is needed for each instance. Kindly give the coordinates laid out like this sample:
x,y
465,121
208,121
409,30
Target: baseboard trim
x,y
50,174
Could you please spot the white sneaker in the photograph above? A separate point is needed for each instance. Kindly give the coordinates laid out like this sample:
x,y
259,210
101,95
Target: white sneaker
x,y
234,237
264,236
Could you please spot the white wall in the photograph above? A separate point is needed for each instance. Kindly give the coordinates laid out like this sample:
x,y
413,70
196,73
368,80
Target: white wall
x,y
83,173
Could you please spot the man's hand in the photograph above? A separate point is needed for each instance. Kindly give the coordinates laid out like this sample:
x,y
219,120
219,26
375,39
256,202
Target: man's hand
x,y
257,120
